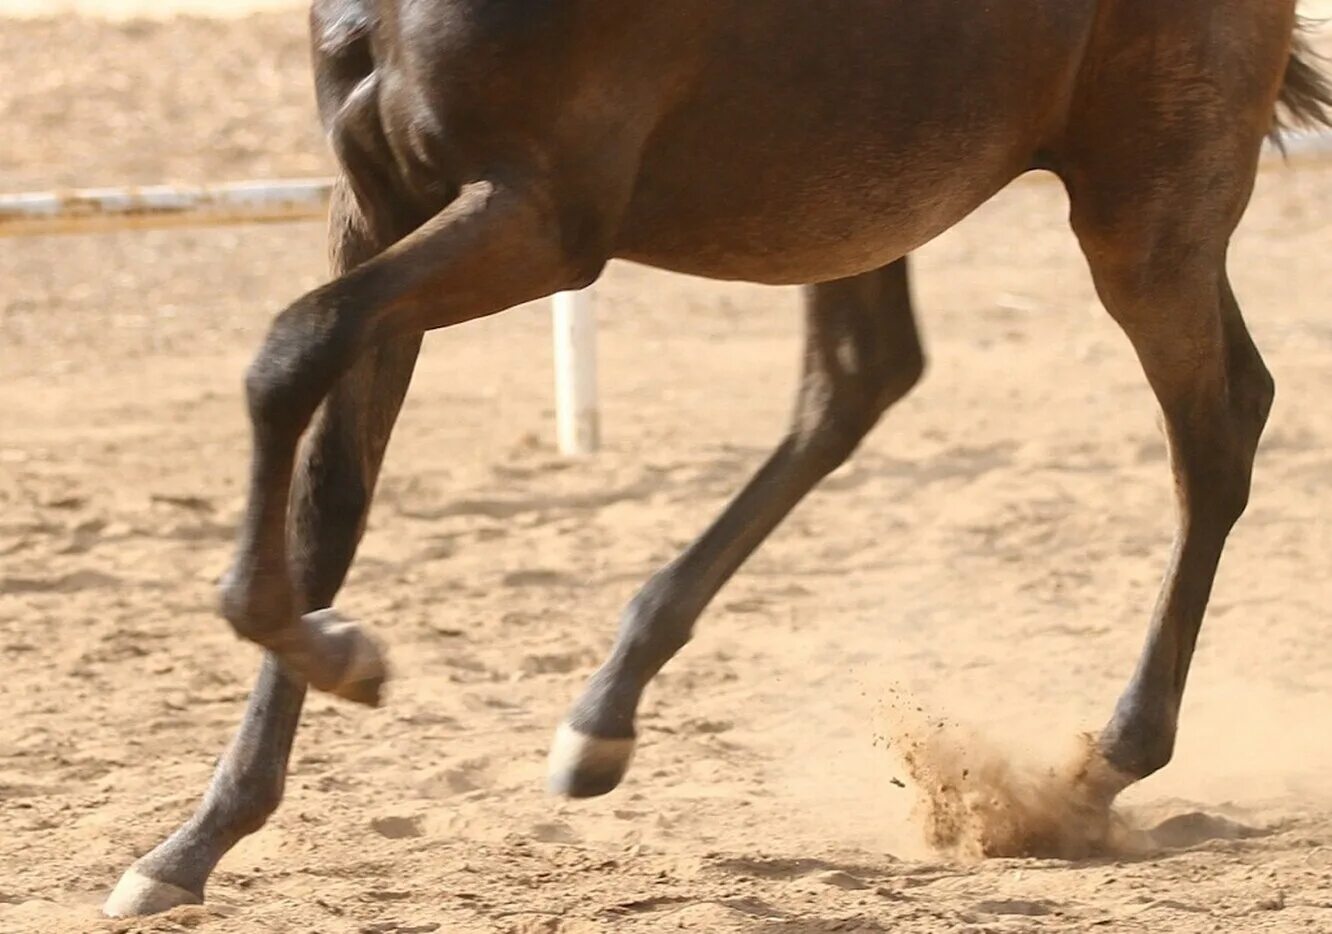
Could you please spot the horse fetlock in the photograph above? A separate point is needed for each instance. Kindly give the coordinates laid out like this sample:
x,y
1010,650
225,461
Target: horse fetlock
x,y
255,604
281,390
1138,741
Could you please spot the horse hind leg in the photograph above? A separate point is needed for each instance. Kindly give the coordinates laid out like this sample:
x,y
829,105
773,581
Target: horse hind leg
x,y
1160,157
1215,394
1158,259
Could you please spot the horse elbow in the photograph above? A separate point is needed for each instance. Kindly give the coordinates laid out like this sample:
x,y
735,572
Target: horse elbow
x,y
584,248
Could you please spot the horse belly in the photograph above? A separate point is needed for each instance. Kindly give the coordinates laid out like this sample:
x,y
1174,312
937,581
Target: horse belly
x,y
805,223
823,140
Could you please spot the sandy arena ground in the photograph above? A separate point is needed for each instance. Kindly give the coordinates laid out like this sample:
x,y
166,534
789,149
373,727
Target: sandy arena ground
x,y
992,555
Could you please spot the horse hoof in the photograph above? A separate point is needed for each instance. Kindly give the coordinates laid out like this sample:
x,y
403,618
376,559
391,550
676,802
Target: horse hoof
x,y
582,766
136,895
363,676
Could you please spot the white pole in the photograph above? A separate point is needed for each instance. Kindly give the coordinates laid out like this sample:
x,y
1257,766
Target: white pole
x,y
577,417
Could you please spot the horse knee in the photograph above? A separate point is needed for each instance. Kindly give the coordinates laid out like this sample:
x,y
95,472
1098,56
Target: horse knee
x,y
308,346
1141,754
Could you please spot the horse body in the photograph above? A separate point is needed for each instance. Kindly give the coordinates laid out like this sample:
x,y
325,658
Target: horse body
x,y
495,151
779,142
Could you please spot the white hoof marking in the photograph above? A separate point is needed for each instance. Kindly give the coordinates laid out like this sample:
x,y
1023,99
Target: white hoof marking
x,y
136,895
575,753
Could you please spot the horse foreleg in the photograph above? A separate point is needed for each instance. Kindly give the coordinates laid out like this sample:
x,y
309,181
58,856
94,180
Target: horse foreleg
x,y
496,245
335,479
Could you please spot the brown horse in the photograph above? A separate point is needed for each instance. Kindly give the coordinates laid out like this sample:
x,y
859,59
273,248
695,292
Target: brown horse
x,y
496,151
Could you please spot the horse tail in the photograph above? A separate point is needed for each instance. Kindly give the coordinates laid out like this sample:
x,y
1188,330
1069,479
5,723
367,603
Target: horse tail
x,y
1306,93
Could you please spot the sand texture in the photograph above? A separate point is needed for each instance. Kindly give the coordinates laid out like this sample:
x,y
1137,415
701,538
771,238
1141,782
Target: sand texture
x,y
980,576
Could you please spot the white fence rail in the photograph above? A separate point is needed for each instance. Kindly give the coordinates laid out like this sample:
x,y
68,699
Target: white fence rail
x,y
164,206
91,210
